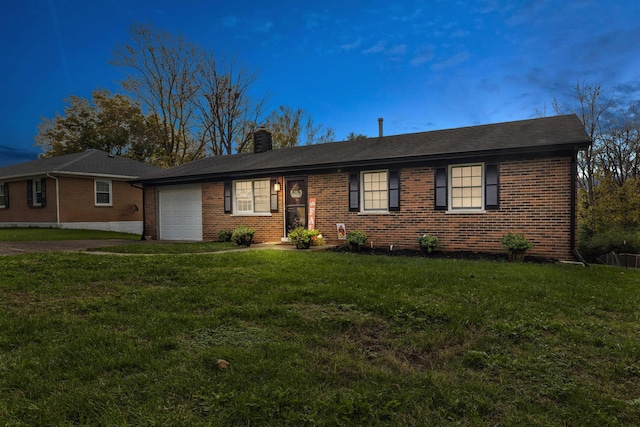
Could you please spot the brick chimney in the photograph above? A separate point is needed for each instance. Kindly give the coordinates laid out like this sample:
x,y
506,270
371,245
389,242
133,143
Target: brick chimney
x,y
262,141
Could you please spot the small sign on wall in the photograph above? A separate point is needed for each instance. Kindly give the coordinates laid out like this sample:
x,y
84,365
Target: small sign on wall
x,y
312,213
342,231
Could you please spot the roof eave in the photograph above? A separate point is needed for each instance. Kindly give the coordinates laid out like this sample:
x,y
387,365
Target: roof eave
x,y
65,173
334,166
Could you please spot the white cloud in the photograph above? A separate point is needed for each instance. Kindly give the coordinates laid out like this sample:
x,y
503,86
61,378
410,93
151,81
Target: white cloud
x,y
452,61
379,47
264,27
351,46
230,21
383,48
422,56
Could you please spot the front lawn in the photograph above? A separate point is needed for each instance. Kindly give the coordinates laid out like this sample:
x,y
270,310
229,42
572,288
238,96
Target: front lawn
x,y
315,338
43,234
155,247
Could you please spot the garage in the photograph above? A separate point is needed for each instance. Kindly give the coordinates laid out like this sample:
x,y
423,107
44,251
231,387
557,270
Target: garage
x,y
180,213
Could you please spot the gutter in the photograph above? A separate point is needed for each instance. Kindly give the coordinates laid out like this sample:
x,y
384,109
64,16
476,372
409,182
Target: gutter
x,y
57,198
250,171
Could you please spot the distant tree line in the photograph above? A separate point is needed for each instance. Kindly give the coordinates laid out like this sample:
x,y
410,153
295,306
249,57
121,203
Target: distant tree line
x,y
608,172
182,104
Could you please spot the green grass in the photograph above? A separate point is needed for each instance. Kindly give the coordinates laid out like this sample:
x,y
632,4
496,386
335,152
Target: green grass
x,y
169,248
42,234
315,338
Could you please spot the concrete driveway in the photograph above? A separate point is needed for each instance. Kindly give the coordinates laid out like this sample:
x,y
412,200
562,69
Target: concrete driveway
x,y
16,248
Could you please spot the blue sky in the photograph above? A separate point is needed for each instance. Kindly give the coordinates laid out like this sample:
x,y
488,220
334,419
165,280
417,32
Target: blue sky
x,y
422,65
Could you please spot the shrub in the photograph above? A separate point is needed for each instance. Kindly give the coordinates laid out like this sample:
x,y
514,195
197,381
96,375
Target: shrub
x,y
617,240
243,235
317,240
301,237
428,243
356,239
515,243
224,235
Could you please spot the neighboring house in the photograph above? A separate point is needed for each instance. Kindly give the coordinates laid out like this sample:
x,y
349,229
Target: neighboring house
x,y
88,190
467,186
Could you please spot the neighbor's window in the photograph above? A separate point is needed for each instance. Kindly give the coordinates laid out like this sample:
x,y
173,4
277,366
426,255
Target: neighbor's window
x,y
103,193
252,197
374,191
37,192
466,187
3,196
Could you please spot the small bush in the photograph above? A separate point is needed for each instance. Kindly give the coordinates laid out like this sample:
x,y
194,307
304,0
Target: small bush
x,y
356,239
515,243
301,237
224,235
243,235
618,241
428,243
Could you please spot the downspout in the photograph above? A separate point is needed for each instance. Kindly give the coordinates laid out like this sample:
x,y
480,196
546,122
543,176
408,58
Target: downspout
x,y
573,222
57,198
144,218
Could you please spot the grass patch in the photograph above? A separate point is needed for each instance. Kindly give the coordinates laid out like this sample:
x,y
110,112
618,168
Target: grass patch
x,y
315,338
169,248
44,234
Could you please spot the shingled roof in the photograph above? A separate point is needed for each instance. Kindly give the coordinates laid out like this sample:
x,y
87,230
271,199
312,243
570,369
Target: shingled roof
x,y
550,134
93,163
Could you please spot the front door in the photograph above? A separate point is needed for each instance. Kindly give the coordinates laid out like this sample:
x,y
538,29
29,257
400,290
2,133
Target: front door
x,y
296,202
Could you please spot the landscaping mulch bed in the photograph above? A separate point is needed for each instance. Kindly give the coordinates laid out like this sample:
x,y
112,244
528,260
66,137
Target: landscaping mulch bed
x,y
468,255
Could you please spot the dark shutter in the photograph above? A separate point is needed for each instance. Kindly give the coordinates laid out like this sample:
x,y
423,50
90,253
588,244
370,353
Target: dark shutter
x,y
394,190
43,188
491,187
354,193
29,192
441,188
227,197
274,196
6,195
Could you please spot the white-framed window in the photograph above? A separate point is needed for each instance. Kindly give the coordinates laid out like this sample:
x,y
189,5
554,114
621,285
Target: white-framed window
x,y
375,195
3,195
37,192
466,186
103,192
252,197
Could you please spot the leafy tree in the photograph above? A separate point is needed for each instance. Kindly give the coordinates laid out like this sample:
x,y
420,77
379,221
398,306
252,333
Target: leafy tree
x,y
353,136
291,127
589,104
609,171
108,122
72,133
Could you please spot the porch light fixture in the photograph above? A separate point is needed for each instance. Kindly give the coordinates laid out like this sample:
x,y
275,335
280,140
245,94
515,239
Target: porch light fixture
x,y
276,186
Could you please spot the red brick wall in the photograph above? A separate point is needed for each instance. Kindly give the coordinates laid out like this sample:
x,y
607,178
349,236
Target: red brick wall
x,y
150,213
269,228
77,203
535,200
19,211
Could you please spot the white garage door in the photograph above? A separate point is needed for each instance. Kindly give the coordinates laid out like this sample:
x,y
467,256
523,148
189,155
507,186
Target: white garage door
x,y
180,213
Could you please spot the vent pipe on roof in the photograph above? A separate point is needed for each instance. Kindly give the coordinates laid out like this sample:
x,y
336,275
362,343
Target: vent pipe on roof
x,y
380,133
262,141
